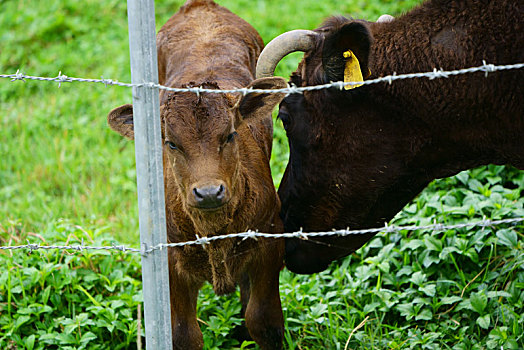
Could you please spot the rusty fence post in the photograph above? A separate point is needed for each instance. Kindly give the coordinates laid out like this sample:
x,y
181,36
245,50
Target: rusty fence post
x,y
150,180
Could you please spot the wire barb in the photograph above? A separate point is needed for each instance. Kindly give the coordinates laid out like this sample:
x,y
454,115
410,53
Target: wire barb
x,y
389,228
440,73
106,82
62,78
32,246
245,91
18,76
293,89
202,240
488,68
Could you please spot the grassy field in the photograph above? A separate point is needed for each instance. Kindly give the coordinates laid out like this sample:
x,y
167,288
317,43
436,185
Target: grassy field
x,y
65,177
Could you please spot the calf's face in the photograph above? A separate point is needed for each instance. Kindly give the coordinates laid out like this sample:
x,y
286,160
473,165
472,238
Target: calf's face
x,y
201,144
202,141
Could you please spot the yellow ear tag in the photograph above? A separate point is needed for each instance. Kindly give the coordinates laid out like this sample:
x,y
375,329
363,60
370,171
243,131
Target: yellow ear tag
x,y
352,72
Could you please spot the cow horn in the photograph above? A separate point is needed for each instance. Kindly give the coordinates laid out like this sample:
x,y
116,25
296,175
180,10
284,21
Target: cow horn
x,y
385,19
282,45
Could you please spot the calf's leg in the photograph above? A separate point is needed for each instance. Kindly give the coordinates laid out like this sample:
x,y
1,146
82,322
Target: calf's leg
x,y
241,332
183,295
264,318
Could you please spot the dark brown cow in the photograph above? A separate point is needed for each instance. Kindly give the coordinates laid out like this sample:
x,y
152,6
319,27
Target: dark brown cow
x,y
358,156
216,169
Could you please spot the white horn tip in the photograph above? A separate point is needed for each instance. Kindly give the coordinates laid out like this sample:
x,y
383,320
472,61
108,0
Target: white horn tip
x,y
385,19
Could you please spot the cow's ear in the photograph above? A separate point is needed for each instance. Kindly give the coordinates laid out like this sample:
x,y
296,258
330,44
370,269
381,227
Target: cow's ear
x,y
346,52
257,104
120,120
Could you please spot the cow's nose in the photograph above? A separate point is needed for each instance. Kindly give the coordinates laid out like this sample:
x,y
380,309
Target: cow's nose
x,y
209,197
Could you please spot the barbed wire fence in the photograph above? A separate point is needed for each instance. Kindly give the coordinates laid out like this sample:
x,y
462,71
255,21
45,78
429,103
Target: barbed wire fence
x,y
159,337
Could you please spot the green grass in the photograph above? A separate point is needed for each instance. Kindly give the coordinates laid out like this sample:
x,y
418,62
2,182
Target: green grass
x,y
64,177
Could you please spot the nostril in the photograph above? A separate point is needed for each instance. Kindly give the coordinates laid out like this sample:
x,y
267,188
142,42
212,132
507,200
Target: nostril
x,y
220,192
197,194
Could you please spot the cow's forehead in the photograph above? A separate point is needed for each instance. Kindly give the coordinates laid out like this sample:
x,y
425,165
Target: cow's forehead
x,y
310,70
207,113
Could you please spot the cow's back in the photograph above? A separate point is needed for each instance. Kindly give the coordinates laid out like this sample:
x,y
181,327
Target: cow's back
x,y
449,35
204,39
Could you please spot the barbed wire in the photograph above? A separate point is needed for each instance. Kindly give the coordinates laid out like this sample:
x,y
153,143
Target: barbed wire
x,y
78,247
435,74
254,235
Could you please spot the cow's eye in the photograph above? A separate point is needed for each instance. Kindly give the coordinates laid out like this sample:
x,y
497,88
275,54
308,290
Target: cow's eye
x,y
284,117
231,137
171,145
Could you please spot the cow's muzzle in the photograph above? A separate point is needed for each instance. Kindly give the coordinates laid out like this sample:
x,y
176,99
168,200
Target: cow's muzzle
x,y
209,197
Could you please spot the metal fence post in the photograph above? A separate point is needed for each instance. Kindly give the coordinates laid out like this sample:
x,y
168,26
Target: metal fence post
x,y
150,180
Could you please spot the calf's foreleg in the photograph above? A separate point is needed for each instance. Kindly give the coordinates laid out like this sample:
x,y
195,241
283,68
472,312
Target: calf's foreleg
x,y
264,318
183,295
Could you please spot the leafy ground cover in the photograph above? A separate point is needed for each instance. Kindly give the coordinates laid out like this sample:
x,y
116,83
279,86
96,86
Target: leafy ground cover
x,y
60,300
460,289
65,177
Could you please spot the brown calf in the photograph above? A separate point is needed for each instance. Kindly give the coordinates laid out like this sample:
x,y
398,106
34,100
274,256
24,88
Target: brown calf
x,y
216,169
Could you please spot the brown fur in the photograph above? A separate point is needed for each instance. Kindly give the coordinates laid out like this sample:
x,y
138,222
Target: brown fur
x,y
358,156
217,140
